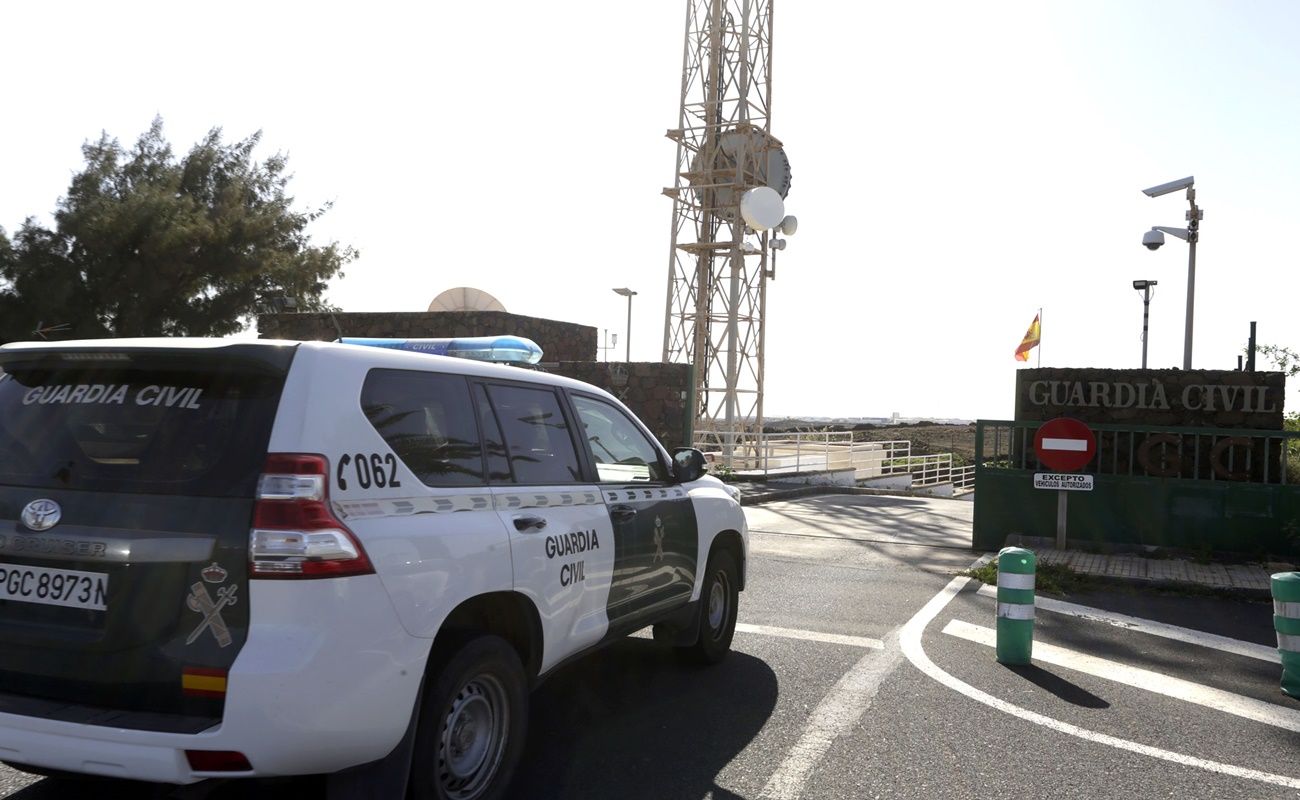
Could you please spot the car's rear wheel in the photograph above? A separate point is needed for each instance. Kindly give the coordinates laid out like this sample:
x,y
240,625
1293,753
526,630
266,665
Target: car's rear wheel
x,y
718,607
472,723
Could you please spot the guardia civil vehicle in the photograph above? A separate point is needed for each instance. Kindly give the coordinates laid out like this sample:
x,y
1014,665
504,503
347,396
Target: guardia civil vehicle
x,y
244,559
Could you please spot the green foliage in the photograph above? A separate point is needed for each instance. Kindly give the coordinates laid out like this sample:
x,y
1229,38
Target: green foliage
x,y
1291,422
1053,579
722,472
1285,359
145,244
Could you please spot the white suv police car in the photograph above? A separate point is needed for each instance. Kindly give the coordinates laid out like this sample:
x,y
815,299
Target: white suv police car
x,y
265,558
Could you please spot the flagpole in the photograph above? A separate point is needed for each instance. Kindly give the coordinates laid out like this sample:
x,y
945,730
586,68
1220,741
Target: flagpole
x,y
1040,337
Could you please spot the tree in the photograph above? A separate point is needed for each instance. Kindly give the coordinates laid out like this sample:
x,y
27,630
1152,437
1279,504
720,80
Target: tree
x,y
147,245
1286,359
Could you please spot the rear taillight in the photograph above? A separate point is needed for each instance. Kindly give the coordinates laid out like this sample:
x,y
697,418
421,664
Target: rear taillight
x,y
295,533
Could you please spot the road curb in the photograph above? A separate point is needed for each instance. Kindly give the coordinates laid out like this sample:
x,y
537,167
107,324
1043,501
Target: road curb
x,y
813,491
1229,592
1159,584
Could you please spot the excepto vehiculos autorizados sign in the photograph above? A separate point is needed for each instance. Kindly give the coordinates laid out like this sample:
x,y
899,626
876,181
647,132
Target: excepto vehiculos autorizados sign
x,y
1067,481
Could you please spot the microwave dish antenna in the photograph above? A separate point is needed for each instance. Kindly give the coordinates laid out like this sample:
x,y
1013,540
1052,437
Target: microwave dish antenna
x,y
465,298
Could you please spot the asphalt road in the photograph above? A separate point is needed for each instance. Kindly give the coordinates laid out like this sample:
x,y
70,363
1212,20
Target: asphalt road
x,y
844,684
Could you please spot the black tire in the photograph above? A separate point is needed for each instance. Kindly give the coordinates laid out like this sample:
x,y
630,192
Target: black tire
x,y
718,605
473,721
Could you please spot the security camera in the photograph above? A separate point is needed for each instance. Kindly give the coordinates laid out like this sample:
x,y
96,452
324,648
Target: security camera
x,y
1152,240
1172,186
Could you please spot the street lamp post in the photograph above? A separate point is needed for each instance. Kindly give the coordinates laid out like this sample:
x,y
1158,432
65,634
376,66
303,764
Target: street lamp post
x,y
629,294
1153,238
1145,288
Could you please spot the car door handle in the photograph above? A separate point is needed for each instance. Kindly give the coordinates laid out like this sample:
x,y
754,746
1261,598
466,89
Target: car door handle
x,y
529,524
622,512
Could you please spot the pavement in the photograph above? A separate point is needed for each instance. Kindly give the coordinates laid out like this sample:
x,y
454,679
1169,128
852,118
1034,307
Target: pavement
x,y
1247,579
863,667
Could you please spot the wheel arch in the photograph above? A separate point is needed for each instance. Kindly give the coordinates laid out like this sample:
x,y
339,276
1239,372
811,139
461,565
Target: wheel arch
x,y
510,615
731,541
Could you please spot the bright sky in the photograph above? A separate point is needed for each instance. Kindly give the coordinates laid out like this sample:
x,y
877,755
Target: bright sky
x,y
956,166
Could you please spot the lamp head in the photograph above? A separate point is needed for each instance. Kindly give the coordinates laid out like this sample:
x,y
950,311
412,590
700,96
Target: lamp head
x,y
1141,285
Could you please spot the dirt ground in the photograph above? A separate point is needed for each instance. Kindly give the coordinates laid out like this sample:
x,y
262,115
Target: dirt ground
x,y
927,439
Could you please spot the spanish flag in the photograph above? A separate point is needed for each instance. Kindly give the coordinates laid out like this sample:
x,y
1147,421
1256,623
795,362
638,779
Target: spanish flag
x,y
1032,336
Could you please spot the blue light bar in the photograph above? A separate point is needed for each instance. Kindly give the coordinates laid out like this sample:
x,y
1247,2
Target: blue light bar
x,y
496,349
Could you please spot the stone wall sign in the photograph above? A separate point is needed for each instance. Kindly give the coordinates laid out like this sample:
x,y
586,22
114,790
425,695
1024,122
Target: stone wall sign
x,y
1177,398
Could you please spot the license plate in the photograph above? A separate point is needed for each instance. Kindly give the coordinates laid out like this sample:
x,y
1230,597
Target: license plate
x,y
54,587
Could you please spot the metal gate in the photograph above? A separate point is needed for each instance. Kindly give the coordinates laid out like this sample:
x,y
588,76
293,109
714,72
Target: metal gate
x,y
1198,489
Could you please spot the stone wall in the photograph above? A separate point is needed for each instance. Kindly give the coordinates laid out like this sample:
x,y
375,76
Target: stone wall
x,y
1172,397
560,341
656,393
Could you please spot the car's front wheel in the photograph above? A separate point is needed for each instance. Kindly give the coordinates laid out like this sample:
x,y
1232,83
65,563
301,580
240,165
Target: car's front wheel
x,y
472,723
718,607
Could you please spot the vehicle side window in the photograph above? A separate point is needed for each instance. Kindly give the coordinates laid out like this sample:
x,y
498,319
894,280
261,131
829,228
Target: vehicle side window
x,y
536,436
428,420
494,446
621,451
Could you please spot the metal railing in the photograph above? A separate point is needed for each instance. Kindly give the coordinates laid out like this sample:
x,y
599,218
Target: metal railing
x,y
798,451
927,470
963,478
792,452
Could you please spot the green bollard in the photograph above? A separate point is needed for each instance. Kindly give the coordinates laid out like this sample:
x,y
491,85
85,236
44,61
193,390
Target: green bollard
x,y
1015,605
1286,621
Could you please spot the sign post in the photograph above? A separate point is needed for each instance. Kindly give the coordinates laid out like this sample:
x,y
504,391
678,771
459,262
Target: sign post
x,y
1062,509
1064,445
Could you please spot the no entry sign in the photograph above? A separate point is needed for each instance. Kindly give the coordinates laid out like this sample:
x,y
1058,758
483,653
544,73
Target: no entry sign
x,y
1064,444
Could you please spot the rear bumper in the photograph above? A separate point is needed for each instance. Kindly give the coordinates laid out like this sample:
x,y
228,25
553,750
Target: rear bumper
x,y
326,680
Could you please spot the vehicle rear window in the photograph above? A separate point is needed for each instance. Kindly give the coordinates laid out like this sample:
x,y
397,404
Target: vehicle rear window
x,y
196,428
428,420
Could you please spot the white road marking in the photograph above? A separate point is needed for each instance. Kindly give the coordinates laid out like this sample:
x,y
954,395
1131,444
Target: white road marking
x,y
1073,445
910,643
833,717
1151,681
811,636
1161,629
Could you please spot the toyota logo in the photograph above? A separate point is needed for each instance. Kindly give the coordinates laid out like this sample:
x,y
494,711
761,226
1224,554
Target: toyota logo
x,y
41,515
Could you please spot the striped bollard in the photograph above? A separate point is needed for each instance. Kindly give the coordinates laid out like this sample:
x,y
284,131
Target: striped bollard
x,y
1015,605
1286,621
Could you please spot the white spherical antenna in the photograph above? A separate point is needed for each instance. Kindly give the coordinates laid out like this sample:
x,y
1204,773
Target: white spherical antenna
x,y
465,298
789,225
762,208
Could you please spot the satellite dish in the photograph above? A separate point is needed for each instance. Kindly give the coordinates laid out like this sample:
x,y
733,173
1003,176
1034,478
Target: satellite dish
x,y
465,298
770,165
762,208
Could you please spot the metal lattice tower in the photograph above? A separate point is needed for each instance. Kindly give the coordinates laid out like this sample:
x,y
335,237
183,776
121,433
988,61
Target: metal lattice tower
x,y
718,268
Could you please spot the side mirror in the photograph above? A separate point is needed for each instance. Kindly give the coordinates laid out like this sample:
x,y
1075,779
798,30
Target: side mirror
x,y
688,464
